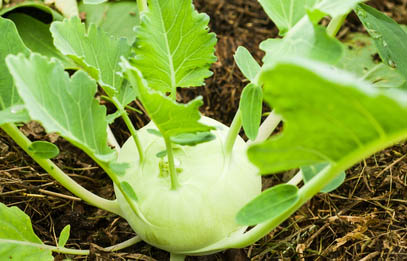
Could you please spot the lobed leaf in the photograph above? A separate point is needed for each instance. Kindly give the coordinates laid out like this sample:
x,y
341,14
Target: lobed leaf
x,y
17,238
389,37
170,117
286,14
62,104
328,115
269,204
305,40
37,37
173,47
97,53
11,105
115,18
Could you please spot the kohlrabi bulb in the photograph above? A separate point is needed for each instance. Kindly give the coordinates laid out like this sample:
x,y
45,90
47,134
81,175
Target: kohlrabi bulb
x,y
202,210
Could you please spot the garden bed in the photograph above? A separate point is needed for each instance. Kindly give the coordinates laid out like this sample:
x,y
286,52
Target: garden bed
x,y
365,219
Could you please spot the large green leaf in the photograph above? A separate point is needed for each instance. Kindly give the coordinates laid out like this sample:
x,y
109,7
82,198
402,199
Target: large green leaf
x,y
37,37
11,109
304,40
17,238
286,13
359,58
170,117
62,104
174,48
328,116
389,37
115,18
97,52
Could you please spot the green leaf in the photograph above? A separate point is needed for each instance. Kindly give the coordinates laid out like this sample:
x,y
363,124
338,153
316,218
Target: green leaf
x,y
329,116
15,113
359,58
11,108
154,132
110,118
40,8
161,154
285,14
44,149
246,63
305,40
192,139
97,52
333,8
37,37
128,189
64,236
170,117
180,50
389,37
62,104
251,104
118,168
17,238
268,205
308,172
115,18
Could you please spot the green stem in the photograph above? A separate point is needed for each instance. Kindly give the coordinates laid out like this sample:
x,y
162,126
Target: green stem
x,y
233,132
122,245
142,5
267,127
130,126
56,249
296,179
58,174
68,8
170,154
176,257
335,25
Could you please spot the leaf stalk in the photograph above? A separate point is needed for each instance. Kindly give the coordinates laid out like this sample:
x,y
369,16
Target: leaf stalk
x,y
130,126
233,132
142,5
335,25
170,154
58,174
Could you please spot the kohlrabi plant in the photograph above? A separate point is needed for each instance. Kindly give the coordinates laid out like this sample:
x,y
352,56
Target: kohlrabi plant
x,y
187,183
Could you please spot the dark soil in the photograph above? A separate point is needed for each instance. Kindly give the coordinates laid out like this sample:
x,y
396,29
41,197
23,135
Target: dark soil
x,y
365,219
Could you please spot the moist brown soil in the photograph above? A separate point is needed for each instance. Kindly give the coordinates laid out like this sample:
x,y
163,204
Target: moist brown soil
x,y
365,219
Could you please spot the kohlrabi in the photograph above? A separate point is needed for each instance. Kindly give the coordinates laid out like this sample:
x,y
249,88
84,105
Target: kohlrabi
x,y
186,183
